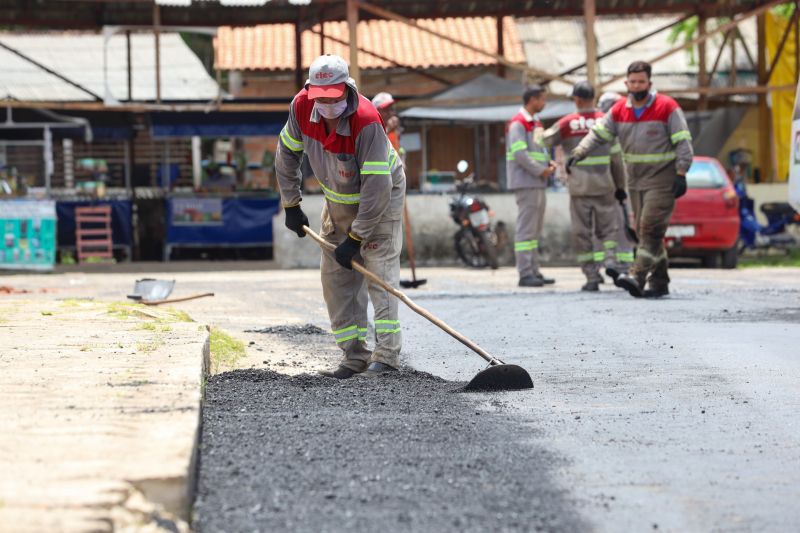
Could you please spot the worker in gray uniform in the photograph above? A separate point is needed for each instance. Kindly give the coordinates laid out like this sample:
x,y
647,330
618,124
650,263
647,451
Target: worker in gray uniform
x,y
624,251
593,184
362,178
657,151
528,166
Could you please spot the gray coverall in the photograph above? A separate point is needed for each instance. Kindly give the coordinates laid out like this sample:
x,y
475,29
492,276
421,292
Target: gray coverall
x,y
526,160
656,146
594,210
364,185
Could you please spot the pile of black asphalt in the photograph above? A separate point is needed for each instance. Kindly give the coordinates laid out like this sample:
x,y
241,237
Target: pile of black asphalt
x,y
401,452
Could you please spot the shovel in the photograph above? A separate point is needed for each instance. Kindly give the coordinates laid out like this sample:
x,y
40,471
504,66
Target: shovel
x,y
630,233
496,377
414,283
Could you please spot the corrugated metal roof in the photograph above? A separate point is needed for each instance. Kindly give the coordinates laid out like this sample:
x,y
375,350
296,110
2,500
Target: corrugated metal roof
x,y
271,47
79,57
555,45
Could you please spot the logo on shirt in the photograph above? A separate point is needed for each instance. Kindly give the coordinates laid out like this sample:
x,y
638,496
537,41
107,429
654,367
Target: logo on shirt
x,y
347,174
581,124
372,245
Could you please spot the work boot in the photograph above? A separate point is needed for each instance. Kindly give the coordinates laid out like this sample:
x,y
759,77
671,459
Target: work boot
x,y
626,282
376,368
530,281
613,273
591,286
657,291
544,280
341,372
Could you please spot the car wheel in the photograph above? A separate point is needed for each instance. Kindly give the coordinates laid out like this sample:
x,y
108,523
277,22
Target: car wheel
x,y
710,261
729,258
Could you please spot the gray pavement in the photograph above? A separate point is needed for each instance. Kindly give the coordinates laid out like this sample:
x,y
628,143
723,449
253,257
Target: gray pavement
x,y
678,414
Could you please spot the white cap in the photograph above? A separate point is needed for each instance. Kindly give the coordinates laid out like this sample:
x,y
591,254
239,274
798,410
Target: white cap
x,y
382,100
607,100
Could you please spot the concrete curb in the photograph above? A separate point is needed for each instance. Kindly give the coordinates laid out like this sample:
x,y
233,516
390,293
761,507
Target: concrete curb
x,y
101,410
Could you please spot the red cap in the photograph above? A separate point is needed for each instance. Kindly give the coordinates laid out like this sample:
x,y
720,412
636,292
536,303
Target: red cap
x,y
325,91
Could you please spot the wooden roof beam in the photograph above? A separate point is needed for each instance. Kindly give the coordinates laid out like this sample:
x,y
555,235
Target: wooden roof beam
x,y
705,36
380,12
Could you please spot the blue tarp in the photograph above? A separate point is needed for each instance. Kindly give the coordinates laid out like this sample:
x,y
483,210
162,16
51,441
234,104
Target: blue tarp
x,y
242,221
217,124
121,225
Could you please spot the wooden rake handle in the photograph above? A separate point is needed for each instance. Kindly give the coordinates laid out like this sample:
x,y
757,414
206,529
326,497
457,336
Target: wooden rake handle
x,y
406,300
173,300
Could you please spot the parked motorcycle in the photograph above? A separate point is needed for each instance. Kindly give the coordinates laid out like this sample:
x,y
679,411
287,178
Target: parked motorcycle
x,y
478,240
753,235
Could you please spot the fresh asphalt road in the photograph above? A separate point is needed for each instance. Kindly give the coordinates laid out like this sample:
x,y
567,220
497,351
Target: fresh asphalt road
x,y
677,415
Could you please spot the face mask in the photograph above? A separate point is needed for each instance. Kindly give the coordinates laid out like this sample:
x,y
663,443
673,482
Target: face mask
x,y
331,110
641,95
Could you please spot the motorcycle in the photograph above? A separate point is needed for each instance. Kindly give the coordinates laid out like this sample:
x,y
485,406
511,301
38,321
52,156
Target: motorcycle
x,y
752,234
478,240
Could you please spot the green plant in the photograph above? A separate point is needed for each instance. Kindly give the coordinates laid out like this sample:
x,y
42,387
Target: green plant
x,y
791,259
225,350
686,31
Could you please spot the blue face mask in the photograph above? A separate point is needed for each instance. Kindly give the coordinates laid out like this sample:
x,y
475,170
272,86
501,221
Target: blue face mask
x,y
331,111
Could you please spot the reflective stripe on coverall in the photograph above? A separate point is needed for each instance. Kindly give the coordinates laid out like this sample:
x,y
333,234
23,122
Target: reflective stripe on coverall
x,y
592,182
526,160
655,147
363,181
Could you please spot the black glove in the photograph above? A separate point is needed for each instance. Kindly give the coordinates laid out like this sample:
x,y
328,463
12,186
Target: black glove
x,y
346,251
679,187
620,195
571,162
296,219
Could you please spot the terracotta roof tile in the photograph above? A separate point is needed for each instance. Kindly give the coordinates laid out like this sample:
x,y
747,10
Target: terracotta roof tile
x,y
271,47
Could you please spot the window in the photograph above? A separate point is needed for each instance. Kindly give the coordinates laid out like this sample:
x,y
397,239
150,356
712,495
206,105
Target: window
x,y
705,175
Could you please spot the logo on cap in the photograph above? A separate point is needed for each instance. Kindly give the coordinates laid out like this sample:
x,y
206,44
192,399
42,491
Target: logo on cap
x,y
324,75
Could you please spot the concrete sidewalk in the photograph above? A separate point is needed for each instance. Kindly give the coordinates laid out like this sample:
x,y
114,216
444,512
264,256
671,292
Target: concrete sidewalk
x,y
99,410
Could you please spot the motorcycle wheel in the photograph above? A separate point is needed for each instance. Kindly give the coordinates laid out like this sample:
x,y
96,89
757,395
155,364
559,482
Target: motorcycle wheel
x,y
488,241
469,250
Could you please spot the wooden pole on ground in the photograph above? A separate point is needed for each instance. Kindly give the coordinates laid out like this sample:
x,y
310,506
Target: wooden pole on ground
x,y
501,68
352,28
702,102
157,33
764,126
589,12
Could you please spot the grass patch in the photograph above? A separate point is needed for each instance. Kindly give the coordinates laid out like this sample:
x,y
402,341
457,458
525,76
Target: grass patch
x,y
121,310
147,326
225,350
178,316
147,347
792,259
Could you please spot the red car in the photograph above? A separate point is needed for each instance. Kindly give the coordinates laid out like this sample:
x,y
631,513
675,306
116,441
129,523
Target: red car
x,y
705,223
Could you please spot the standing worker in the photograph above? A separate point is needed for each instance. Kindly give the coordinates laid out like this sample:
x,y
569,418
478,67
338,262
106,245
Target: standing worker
x,y
384,103
528,166
364,184
657,151
593,185
624,253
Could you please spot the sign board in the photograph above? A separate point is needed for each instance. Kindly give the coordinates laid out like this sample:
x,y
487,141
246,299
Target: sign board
x,y
27,234
197,212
